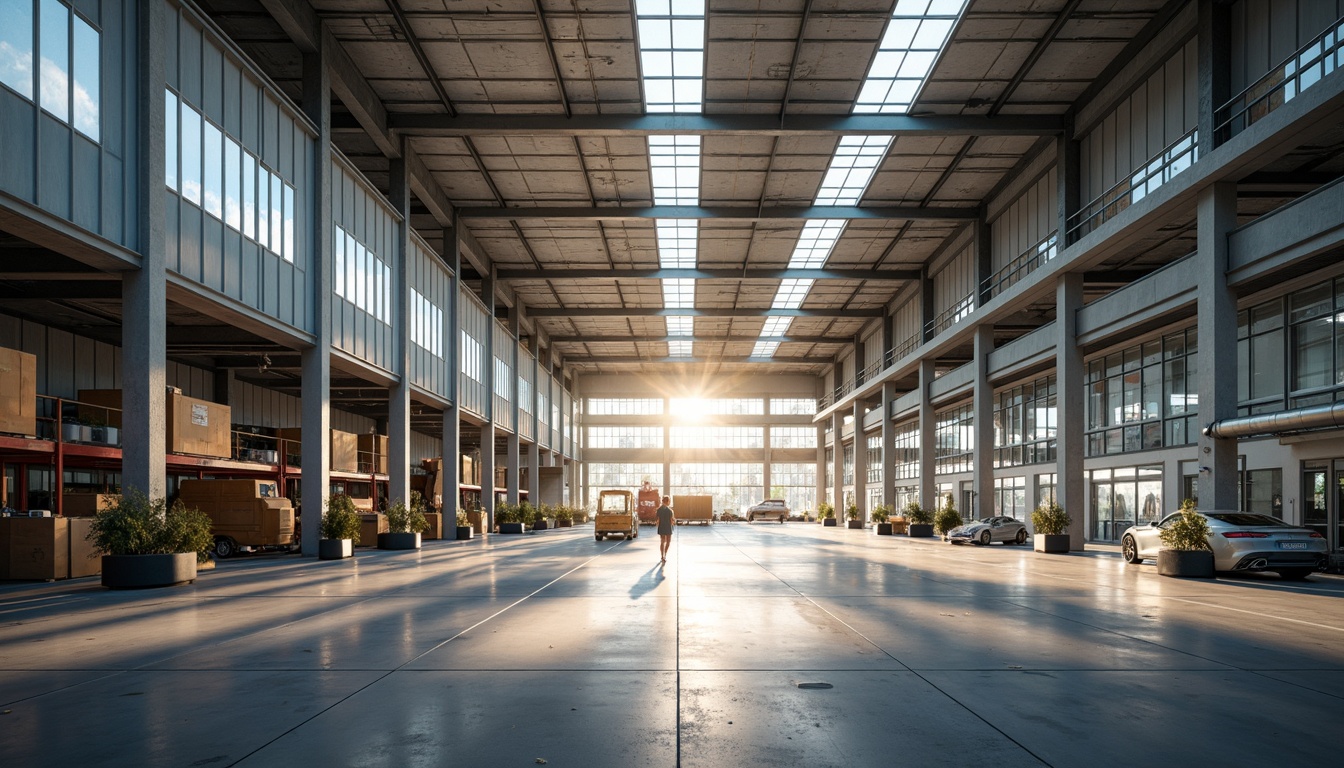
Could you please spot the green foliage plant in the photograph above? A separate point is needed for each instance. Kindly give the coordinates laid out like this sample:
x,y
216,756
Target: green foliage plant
x,y
825,511
462,520
564,513
134,524
881,513
404,519
918,515
1050,519
1187,533
851,511
340,520
947,517
507,513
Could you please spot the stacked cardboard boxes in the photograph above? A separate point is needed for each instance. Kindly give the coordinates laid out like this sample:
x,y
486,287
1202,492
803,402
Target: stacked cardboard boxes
x,y
18,392
196,427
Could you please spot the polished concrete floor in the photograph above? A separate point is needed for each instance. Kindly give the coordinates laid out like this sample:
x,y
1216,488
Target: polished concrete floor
x,y
763,644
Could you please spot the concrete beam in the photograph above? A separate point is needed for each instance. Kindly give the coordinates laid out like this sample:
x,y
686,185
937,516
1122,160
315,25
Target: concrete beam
x,y
660,273
567,312
745,213
728,125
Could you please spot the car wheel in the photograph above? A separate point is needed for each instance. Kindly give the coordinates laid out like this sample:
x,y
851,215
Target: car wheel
x,y
598,537
1295,574
781,519
1130,550
1021,537
225,547
984,538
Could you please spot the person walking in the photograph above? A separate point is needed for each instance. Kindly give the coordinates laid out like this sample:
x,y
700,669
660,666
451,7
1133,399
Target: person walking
x,y
666,519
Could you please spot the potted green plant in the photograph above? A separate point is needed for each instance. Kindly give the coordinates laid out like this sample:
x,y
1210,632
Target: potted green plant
x,y
881,514
921,520
404,525
853,517
1051,524
340,528
564,516
1185,550
509,518
536,516
826,514
149,544
947,517
464,529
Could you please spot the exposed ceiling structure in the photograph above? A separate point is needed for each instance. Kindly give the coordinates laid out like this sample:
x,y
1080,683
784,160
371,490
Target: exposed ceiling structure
x,y
538,119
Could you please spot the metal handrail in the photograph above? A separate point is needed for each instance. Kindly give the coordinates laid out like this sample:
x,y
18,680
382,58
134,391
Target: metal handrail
x,y
1022,265
1257,100
1178,155
952,314
899,352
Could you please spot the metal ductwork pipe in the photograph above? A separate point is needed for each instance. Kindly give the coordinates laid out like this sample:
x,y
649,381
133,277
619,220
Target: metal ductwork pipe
x,y
1283,422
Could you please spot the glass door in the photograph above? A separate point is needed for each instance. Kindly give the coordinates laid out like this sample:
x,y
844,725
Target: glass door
x,y
1316,501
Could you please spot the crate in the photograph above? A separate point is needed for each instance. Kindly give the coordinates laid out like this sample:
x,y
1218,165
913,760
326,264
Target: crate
x,y
435,529
86,504
194,426
85,558
370,526
372,453
18,392
34,548
344,448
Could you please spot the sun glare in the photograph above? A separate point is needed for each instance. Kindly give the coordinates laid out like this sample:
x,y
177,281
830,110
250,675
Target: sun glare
x,y
690,410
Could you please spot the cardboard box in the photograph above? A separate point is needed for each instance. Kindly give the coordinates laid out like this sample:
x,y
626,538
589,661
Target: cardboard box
x,y
435,529
18,392
85,504
194,426
344,448
471,471
370,526
38,548
372,454
85,558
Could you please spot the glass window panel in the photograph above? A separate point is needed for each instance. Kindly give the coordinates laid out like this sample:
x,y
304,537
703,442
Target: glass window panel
x,y
687,34
689,63
16,46
233,174
277,218
54,47
88,78
191,154
249,195
263,206
213,170
1313,364
170,140
338,250
289,224
656,63
655,34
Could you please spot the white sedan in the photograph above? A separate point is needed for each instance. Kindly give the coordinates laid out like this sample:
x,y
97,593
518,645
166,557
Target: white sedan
x,y
1006,529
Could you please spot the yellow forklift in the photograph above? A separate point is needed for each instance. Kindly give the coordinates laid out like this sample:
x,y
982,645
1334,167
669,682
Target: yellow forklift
x,y
615,515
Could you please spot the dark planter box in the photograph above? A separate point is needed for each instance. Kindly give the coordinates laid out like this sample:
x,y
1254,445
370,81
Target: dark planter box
x,y
882,529
335,549
541,526
463,532
829,522
399,541
1197,564
854,525
512,527
564,523
142,571
1051,543
921,530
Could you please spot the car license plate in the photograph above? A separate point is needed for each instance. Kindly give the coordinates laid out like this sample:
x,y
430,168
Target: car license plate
x,y
1293,545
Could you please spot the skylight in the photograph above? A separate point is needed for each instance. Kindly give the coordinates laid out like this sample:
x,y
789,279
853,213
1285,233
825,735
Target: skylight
x,y
764,349
775,326
679,293
915,36
677,243
672,54
680,325
852,167
815,243
674,169
679,348
791,293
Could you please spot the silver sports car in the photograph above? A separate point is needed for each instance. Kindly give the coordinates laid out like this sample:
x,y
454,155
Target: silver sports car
x,y
990,529
1241,541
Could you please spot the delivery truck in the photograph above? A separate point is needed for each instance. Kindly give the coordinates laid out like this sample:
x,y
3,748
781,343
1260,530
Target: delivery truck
x,y
244,514
648,501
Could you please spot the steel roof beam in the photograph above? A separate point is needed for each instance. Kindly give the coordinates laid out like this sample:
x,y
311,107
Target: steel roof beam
x,y
751,213
740,125
538,312
735,338
701,273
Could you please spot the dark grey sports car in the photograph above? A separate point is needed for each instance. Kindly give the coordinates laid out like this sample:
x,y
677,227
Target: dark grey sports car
x,y
989,529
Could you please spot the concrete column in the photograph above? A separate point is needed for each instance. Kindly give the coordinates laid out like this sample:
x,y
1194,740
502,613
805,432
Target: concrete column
x,y
984,260
1216,310
399,394
821,463
765,456
860,460
513,458
888,445
982,460
667,446
452,422
534,473
928,487
315,412
927,305
144,292
488,428
860,360
1070,408
838,465
1214,67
